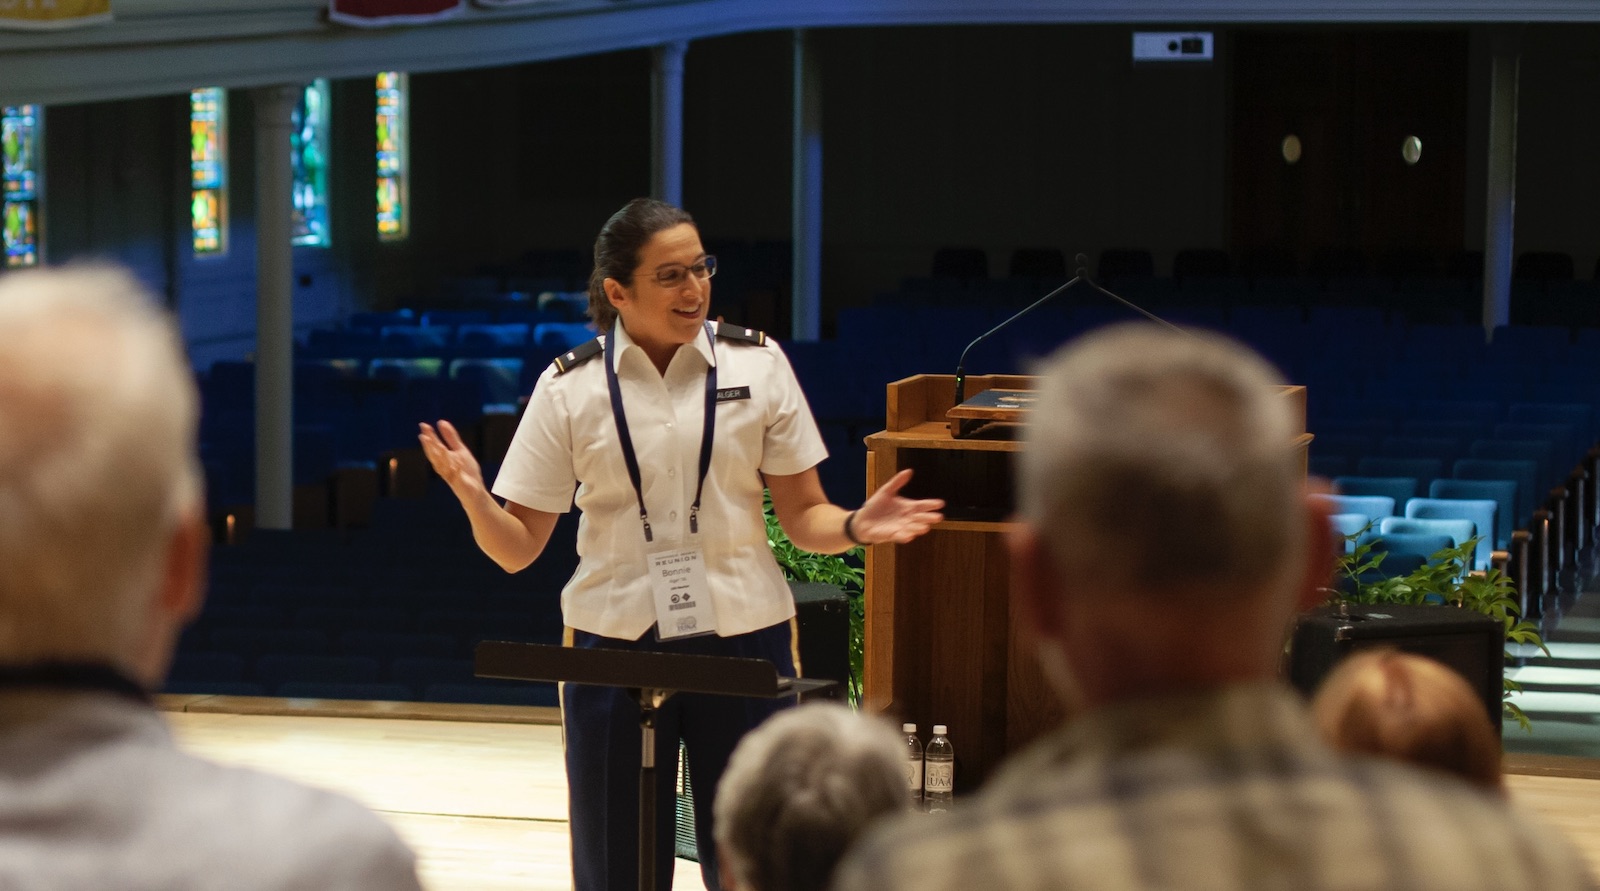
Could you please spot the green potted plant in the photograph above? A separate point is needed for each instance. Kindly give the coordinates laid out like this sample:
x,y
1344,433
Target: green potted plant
x,y
1442,581
843,571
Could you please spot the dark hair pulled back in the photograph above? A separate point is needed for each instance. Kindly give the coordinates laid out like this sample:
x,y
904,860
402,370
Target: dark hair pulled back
x,y
616,250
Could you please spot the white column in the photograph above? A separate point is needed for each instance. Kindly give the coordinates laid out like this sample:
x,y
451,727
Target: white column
x,y
806,188
666,122
274,308
1501,212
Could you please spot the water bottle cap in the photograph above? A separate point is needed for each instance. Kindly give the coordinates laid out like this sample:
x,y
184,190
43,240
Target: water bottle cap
x,y
908,728
939,730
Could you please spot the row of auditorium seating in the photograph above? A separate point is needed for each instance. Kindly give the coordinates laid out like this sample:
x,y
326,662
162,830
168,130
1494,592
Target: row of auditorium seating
x,y
405,678
1364,368
1448,513
547,339
389,611
1122,264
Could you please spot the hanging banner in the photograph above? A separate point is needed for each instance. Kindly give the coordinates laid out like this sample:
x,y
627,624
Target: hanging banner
x,y
41,15
379,13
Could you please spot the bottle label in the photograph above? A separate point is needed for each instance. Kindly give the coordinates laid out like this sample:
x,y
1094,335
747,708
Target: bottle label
x,y
940,776
914,776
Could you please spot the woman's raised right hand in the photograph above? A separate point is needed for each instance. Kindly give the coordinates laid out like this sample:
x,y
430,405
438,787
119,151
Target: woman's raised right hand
x,y
451,459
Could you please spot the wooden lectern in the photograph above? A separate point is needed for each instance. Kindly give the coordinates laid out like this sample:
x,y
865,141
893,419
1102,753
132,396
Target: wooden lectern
x,y
942,643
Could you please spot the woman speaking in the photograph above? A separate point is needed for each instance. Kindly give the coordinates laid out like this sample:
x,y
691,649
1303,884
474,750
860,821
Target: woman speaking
x,y
668,427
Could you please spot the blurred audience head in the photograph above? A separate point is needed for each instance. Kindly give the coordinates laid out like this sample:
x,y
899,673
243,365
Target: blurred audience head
x,y
102,531
799,790
1161,498
1410,708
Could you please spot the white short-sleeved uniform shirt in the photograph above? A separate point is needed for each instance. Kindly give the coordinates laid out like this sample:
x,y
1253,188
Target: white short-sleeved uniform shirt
x,y
568,438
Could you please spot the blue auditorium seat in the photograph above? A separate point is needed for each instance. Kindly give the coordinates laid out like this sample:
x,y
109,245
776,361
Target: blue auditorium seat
x,y
1370,427
1530,343
405,368
1403,552
1569,444
1445,448
1400,489
551,339
1349,446
1502,492
1327,466
1348,527
1478,511
501,338
498,381
1417,468
377,320
1373,507
1460,431
1460,531
1579,416
411,340
1483,413
1523,473
449,318
1540,452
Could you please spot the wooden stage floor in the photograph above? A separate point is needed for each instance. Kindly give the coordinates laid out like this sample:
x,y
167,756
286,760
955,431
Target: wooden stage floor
x,y
484,802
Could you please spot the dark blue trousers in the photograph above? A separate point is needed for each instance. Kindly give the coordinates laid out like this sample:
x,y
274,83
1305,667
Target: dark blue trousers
x,y
602,740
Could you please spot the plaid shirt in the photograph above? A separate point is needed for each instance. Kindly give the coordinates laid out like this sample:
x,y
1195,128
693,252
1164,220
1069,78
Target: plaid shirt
x,y
1227,790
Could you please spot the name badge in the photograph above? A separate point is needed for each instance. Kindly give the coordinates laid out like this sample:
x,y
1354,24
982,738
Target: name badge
x,y
683,600
729,394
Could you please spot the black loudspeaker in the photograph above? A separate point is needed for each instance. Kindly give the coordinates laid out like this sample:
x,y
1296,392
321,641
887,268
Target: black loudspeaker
x,y
1470,643
823,613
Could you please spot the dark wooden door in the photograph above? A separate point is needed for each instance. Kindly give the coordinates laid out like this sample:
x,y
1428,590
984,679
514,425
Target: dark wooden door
x,y
1351,98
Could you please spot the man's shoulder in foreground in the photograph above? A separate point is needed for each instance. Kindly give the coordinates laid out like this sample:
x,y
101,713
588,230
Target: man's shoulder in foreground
x,y
103,798
1202,811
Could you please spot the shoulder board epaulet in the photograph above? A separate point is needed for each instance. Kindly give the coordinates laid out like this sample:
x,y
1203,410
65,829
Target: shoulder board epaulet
x,y
577,356
739,332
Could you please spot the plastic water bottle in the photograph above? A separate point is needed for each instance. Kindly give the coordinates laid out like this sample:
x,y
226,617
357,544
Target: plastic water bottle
x,y
938,772
913,750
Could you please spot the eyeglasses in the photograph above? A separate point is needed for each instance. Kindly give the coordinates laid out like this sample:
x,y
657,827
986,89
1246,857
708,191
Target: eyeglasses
x,y
675,276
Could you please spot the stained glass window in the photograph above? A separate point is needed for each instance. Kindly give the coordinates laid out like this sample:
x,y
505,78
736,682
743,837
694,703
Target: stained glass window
x,y
393,218
309,160
208,166
20,144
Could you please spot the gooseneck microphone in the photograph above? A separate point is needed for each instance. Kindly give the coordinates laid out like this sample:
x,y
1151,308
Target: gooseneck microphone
x,y
961,364
1082,275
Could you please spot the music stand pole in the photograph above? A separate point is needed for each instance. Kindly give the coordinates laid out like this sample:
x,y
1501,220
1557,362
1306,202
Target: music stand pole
x,y
649,705
650,677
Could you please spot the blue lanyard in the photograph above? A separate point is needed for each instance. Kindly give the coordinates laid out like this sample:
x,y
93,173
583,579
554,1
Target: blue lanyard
x,y
632,459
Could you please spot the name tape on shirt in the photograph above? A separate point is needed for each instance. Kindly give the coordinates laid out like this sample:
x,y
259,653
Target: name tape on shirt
x,y
731,394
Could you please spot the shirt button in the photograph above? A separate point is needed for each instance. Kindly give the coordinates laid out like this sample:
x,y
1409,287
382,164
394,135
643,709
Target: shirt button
x,y
669,425
672,471
673,516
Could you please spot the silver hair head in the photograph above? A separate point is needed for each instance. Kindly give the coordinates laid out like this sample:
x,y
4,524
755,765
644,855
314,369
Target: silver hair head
x,y
98,414
800,789
1163,461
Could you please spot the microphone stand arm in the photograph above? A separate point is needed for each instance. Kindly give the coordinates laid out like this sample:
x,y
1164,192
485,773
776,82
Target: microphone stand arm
x,y
1138,309
961,364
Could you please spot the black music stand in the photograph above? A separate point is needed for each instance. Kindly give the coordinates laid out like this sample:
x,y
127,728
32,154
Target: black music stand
x,y
650,678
